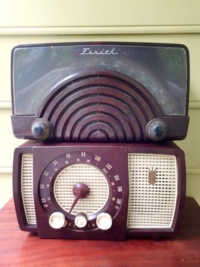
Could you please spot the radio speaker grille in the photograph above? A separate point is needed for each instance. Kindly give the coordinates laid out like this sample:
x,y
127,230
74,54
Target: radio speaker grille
x,y
152,205
100,106
92,177
27,188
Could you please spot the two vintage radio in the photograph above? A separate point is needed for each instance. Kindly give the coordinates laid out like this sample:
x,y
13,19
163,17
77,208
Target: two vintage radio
x,y
101,118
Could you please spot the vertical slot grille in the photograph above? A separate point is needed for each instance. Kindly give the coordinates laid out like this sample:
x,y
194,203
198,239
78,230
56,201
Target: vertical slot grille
x,y
27,188
152,205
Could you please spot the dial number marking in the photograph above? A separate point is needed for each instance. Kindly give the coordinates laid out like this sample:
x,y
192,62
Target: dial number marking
x,y
116,177
119,188
97,158
109,166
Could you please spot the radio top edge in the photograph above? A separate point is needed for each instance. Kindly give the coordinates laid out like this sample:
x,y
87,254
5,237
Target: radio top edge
x,y
100,92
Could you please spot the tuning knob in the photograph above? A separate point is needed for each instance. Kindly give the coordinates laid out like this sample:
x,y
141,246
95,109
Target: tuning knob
x,y
156,129
57,220
41,129
81,220
104,221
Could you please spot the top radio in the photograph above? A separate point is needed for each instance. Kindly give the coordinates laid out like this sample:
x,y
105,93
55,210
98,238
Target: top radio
x,y
100,92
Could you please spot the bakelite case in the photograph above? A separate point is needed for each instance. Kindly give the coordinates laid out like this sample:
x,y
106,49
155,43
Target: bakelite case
x,y
93,106
49,159
100,92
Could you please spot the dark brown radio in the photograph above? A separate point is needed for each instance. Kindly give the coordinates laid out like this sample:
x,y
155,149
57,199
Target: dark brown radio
x,y
107,191
100,92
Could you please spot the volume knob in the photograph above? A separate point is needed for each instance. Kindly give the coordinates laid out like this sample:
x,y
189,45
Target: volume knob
x,y
57,220
104,221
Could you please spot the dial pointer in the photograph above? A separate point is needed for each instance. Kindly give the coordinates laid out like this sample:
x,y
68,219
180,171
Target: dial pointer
x,y
74,203
80,190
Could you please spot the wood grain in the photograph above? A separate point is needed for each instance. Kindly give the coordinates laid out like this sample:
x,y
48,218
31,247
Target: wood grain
x,y
19,248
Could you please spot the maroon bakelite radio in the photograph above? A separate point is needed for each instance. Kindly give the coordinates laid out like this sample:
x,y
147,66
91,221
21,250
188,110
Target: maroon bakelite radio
x,y
101,117
100,92
99,191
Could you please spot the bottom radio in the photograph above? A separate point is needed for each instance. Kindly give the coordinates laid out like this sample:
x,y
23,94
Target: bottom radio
x,y
99,191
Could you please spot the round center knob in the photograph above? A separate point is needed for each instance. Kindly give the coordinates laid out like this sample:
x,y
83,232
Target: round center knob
x,y
81,190
81,220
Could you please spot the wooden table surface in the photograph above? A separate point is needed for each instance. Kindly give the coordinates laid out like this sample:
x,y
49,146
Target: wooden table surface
x,y
19,248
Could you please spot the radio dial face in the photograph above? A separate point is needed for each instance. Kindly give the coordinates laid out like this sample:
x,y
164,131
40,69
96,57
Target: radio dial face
x,y
81,183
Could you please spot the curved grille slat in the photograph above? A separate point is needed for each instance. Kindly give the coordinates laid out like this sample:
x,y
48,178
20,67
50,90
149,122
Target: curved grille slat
x,y
116,95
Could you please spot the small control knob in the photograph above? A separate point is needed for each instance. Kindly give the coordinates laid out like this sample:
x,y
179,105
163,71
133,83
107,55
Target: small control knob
x,y
41,129
57,220
104,221
156,129
81,220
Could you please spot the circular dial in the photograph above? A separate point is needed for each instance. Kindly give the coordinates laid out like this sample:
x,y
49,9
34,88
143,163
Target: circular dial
x,y
70,178
80,182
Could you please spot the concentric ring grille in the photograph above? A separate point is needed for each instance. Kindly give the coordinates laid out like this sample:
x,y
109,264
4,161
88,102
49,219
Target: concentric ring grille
x,y
152,205
81,173
100,107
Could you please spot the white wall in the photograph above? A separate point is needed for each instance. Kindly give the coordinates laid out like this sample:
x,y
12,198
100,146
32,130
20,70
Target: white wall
x,y
46,21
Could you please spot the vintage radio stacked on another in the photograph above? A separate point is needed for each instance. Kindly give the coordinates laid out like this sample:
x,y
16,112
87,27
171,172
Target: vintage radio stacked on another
x,y
102,116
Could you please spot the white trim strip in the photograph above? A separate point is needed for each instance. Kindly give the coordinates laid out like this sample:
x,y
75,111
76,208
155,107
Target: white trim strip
x,y
100,30
194,104
5,105
193,171
5,170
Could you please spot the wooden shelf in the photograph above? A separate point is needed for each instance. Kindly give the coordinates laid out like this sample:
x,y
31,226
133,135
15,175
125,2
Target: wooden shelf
x,y
19,248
